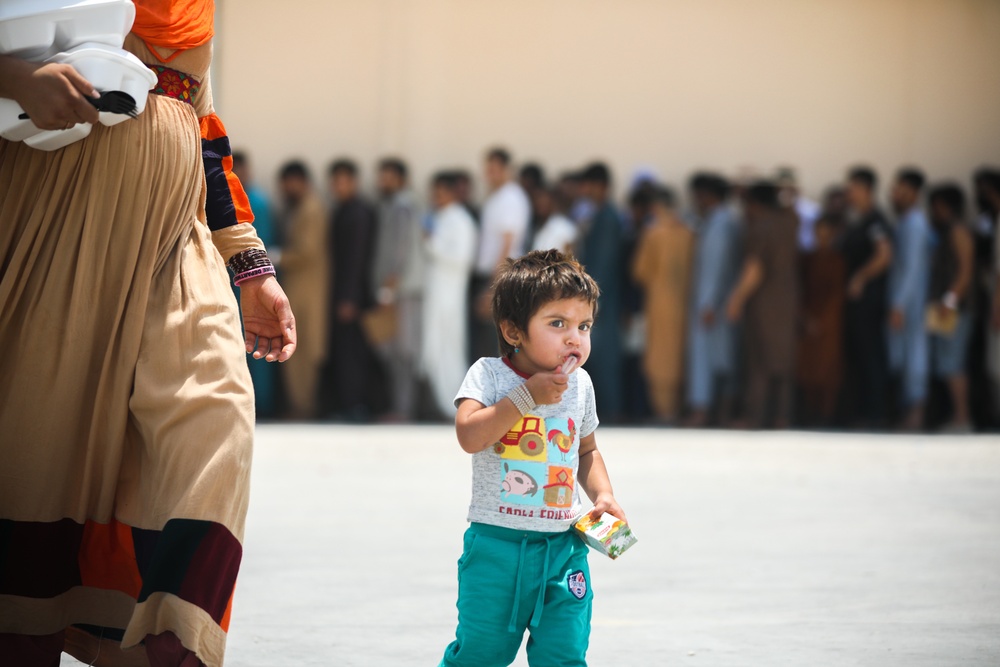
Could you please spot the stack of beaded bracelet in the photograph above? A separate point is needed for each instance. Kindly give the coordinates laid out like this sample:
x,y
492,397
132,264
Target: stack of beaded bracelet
x,y
249,264
522,399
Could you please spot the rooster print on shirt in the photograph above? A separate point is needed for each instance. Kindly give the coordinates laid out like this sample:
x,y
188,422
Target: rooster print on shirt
x,y
536,460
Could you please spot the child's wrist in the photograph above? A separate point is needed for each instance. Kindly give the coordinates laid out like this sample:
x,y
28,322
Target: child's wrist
x,y
522,399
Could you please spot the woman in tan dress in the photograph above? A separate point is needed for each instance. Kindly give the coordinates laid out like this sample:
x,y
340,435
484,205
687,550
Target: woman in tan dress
x,y
126,409
662,268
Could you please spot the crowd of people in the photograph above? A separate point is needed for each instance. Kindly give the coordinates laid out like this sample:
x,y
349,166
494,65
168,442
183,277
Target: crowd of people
x,y
753,307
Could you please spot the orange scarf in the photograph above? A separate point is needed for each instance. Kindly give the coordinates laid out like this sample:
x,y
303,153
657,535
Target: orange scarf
x,y
174,24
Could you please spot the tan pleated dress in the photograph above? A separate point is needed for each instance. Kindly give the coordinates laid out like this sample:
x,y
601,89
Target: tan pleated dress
x,y
126,408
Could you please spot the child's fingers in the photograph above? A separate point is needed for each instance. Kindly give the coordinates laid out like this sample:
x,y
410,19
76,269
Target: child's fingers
x,y
618,513
607,507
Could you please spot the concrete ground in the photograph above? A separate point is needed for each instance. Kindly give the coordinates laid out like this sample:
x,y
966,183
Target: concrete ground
x,y
756,549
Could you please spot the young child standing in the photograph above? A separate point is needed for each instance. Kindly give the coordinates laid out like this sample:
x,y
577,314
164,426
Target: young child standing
x,y
528,418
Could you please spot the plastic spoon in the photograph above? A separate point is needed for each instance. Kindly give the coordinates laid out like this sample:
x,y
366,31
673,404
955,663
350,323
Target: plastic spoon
x,y
569,365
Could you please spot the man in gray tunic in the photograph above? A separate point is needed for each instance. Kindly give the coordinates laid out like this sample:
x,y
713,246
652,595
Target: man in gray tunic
x,y
398,279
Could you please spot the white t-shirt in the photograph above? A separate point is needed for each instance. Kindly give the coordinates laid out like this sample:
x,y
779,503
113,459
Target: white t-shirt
x,y
557,233
527,481
506,211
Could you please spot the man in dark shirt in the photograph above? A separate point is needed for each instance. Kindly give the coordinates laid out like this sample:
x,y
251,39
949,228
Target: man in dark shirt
x,y
352,246
601,253
867,249
768,293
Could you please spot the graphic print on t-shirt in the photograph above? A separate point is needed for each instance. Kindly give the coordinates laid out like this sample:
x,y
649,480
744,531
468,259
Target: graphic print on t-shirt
x,y
530,458
524,442
560,434
559,490
522,482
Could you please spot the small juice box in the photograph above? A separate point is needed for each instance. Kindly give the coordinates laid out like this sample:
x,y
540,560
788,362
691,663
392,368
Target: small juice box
x,y
608,535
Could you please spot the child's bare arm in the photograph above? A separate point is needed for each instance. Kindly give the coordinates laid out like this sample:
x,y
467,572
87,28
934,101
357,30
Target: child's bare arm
x,y
479,426
593,478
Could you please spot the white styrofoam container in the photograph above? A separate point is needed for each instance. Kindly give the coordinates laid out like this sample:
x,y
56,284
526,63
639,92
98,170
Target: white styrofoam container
x,y
107,68
50,140
38,29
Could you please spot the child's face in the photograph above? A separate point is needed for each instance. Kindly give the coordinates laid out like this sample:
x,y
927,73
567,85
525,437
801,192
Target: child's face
x,y
559,330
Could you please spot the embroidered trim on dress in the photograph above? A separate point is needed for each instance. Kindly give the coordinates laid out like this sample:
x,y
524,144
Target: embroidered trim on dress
x,y
175,84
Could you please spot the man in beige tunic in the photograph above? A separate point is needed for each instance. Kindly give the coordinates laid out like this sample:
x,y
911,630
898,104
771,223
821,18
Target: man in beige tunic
x,y
662,268
304,270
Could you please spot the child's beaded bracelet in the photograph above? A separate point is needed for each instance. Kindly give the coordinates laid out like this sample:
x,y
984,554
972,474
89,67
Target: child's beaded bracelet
x,y
522,399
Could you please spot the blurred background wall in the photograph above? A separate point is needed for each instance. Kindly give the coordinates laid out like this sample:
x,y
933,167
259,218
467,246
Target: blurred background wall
x,y
672,84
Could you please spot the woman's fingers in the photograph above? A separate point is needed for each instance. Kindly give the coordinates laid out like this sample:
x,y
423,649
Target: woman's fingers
x,y
81,84
274,349
263,347
286,352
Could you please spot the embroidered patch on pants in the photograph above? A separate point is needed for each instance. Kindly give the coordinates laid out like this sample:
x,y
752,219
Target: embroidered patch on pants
x,y
577,583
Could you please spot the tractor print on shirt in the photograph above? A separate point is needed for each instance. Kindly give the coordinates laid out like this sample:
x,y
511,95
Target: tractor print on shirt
x,y
524,442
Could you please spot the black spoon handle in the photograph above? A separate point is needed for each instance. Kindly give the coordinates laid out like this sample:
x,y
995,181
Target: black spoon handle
x,y
93,102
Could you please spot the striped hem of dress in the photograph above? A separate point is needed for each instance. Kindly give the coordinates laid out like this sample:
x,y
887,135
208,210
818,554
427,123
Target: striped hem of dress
x,y
194,560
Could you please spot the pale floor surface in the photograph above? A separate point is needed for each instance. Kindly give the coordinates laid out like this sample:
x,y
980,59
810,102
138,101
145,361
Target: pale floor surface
x,y
766,549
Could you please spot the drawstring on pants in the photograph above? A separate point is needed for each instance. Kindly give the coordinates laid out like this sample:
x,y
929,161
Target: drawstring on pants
x,y
512,626
536,615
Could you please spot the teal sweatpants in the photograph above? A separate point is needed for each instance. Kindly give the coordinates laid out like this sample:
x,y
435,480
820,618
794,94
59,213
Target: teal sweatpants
x,y
510,581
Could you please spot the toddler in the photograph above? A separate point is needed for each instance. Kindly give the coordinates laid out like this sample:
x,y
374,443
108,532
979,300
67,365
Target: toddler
x,y
528,418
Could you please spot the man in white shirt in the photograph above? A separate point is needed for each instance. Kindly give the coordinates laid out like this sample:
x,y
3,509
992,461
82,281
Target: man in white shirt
x,y
506,218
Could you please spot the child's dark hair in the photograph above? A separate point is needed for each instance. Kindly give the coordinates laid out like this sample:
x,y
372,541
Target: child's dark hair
x,y
526,284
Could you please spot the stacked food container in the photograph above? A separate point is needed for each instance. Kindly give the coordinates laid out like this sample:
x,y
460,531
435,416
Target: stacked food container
x,y
87,34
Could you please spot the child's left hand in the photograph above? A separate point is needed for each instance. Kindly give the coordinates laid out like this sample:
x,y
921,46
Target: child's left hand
x,y
605,502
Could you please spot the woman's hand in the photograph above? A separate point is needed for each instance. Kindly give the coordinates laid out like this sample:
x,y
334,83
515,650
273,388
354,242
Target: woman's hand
x,y
268,323
52,94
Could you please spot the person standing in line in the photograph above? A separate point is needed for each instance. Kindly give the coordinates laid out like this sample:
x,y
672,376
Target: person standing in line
x,y
557,232
601,246
304,270
264,376
984,347
820,347
450,252
465,192
909,277
950,315
398,280
353,235
806,209
506,219
710,343
662,269
767,297
867,248
531,178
